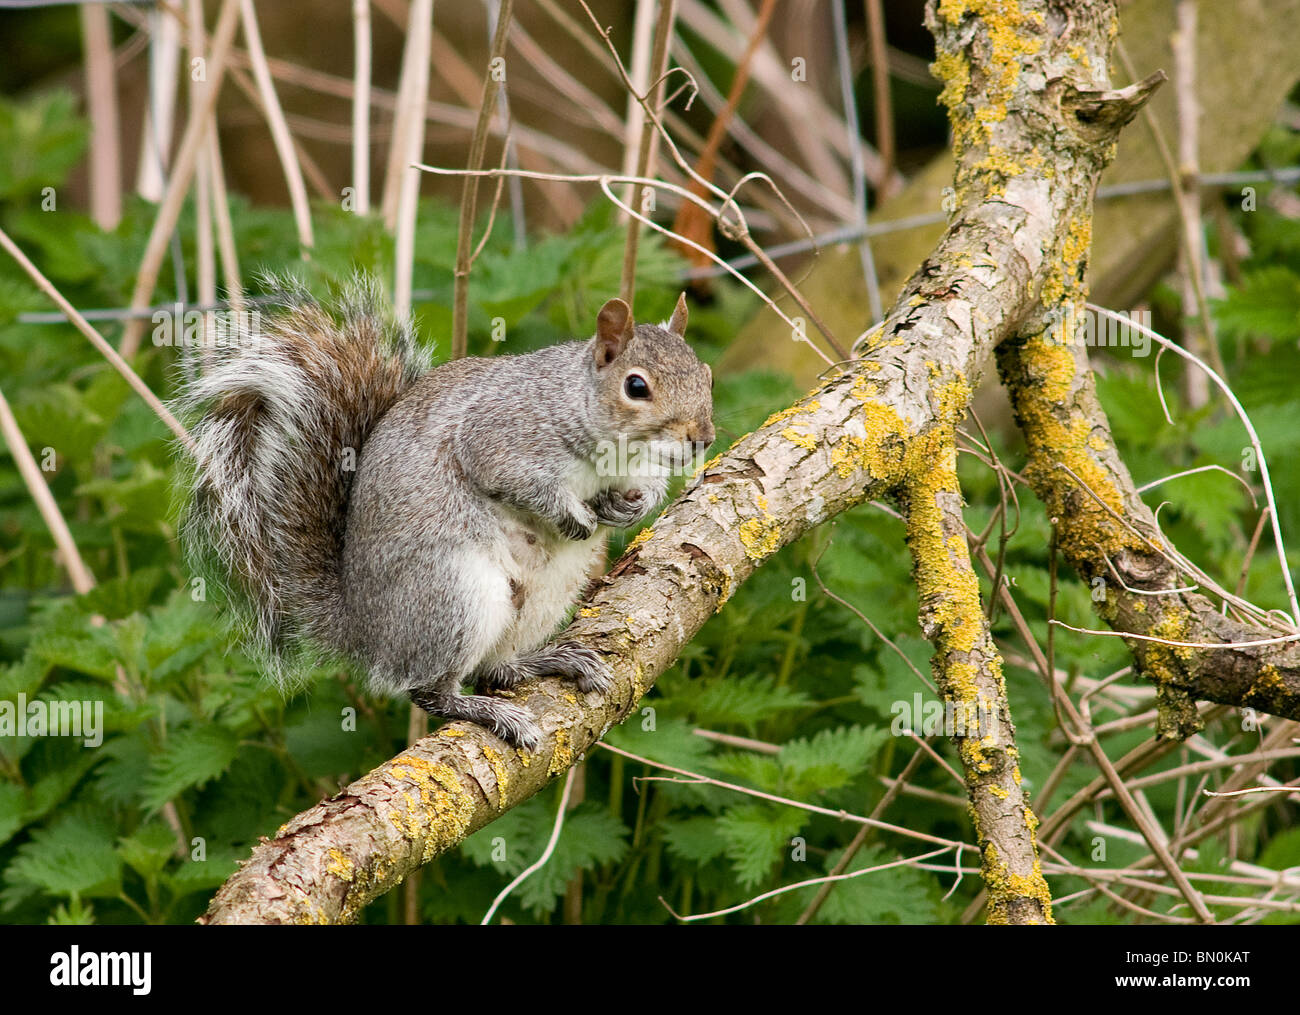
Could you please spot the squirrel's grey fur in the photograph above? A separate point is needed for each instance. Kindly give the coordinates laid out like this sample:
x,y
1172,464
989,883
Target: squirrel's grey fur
x,y
433,525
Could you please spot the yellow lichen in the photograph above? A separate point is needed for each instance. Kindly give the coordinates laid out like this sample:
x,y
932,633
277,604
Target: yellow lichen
x,y
641,538
804,440
872,338
562,756
1011,36
502,775
1059,433
441,815
877,451
794,410
340,865
761,537
965,658
706,466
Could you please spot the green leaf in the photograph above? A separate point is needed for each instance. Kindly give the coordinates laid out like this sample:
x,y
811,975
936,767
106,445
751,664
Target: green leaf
x,y
757,837
192,756
203,875
13,808
41,139
1266,304
148,850
85,649
672,741
74,855
591,836
889,679
73,913
73,761
831,758
1283,851
696,839
742,700
121,779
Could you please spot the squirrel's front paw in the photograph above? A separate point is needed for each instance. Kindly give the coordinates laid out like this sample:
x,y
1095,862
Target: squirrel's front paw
x,y
581,529
620,508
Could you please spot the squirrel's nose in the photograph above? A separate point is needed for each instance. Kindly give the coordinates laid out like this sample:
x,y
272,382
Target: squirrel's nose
x,y
702,438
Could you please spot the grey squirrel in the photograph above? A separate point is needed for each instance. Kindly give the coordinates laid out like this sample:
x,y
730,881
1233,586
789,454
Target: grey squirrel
x,y
435,525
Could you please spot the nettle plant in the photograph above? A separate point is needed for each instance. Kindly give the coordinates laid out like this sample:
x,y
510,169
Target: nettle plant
x,y
789,691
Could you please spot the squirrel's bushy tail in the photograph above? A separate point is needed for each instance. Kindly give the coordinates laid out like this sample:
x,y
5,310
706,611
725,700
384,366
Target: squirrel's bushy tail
x,y
278,420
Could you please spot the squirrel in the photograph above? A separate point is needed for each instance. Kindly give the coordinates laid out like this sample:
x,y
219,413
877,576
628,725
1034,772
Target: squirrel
x,y
433,525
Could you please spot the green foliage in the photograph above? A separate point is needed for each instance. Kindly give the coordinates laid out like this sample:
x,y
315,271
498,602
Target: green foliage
x,y
201,756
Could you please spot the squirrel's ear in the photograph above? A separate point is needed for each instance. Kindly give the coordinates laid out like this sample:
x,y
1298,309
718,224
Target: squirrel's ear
x,y
613,331
678,323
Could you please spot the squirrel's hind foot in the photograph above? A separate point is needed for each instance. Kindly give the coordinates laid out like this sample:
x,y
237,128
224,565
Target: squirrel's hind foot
x,y
511,723
584,665
560,658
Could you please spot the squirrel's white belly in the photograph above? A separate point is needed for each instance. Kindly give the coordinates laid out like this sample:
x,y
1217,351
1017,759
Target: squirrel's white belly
x,y
542,575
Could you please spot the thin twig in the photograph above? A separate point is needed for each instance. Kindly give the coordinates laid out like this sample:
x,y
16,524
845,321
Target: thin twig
x,y
736,229
82,580
546,853
840,815
860,838
827,881
877,39
689,222
1250,430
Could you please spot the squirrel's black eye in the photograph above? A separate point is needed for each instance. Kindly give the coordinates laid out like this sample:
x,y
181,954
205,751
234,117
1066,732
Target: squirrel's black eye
x,y
636,386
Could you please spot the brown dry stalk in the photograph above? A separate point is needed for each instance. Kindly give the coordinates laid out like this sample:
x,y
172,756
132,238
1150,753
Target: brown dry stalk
x,y
691,221
101,101
647,145
469,191
182,172
408,142
885,142
82,580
